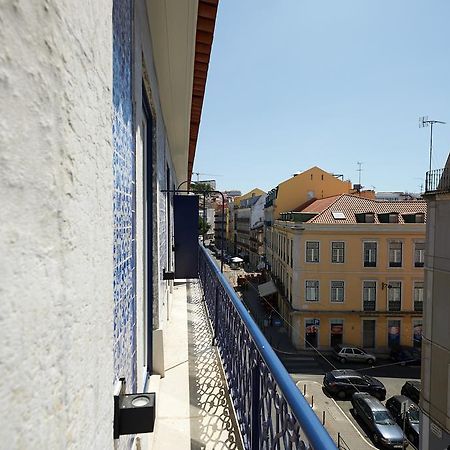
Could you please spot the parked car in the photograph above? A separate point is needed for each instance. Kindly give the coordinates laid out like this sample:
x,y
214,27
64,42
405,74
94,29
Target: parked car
x,y
345,382
346,353
412,390
406,355
383,428
406,413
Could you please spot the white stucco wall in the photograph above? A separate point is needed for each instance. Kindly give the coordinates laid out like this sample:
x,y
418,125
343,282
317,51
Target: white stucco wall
x,y
257,211
56,302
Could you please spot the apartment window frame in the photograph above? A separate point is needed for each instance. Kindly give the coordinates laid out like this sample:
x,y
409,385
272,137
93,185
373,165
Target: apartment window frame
x,y
337,291
419,254
292,253
372,260
394,287
314,257
312,288
418,295
366,301
395,255
335,251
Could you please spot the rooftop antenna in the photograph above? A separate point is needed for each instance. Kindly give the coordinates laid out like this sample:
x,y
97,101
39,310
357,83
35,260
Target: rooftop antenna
x,y
424,122
359,170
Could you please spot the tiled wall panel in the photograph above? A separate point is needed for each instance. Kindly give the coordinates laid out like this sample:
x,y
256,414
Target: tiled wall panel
x,y
124,199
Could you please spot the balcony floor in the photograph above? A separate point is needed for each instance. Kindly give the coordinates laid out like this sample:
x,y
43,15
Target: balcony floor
x,y
194,409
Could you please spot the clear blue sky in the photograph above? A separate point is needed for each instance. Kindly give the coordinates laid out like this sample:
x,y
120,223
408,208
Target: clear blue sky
x,y
294,84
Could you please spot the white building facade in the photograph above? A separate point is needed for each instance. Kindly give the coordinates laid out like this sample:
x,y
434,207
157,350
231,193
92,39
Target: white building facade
x,y
99,119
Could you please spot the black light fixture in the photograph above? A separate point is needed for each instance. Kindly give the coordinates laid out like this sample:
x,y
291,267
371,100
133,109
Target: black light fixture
x,y
133,413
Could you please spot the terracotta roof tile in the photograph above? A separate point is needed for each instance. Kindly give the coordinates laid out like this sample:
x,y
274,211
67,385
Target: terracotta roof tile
x,y
350,205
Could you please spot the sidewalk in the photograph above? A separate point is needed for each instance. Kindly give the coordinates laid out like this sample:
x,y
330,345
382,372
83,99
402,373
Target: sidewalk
x,y
335,419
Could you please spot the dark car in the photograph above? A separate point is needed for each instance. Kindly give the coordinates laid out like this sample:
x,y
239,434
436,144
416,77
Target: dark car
x,y
412,390
345,382
406,355
383,428
406,413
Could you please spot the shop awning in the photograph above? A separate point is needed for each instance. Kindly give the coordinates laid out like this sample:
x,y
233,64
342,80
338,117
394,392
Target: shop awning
x,y
267,288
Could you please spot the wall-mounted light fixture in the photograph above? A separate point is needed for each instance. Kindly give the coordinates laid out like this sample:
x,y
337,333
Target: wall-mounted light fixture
x,y
385,285
133,413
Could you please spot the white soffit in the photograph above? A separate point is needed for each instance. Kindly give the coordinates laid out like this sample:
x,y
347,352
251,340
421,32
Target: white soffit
x,y
173,26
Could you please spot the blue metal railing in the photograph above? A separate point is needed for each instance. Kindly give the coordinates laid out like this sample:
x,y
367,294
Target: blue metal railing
x,y
271,411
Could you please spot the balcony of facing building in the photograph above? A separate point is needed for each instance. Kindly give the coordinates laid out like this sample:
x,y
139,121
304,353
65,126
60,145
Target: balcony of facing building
x,y
224,387
437,181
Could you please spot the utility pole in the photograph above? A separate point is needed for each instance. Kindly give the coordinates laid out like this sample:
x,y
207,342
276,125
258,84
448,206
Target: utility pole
x,y
424,122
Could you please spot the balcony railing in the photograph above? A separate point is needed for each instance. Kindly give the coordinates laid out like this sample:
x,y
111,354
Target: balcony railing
x,y
394,305
271,411
437,180
368,305
418,306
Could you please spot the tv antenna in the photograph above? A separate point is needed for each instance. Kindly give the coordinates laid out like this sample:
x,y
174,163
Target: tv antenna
x,y
359,170
424,122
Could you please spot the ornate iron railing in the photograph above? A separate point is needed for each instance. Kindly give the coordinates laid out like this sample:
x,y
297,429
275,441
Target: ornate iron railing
x,y
437,180
368,305
271,411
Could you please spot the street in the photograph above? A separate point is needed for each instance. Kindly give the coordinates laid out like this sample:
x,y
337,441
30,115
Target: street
x,y
309,366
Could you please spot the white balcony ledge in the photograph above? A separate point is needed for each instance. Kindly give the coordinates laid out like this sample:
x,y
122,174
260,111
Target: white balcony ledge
x,y
194,409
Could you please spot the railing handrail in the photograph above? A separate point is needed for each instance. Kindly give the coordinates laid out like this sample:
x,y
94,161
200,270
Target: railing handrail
x,y
309,422
437,180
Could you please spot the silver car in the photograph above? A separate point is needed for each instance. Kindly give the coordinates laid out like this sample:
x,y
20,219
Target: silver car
x,y
353,354
382,426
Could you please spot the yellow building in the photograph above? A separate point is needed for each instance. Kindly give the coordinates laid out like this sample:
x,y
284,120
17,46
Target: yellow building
x,y
350,270
300,189
313,183
253,193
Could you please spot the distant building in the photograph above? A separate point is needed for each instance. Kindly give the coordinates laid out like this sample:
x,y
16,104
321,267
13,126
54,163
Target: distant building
x,y
435,395
232,194
397,196
350,270
301,188
248,214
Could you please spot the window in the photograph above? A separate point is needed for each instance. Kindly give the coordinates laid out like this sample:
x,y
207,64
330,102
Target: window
x,y
418,296
365,217
417,333
338,215
393,333
370,254
393,218
395,254
388,217
312,251
337,291
369,295
337,252
419,254
312,290
420,218
394,295
292,246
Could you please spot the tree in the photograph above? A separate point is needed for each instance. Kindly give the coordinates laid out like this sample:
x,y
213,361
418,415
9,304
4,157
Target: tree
x,y
203,226
200,188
